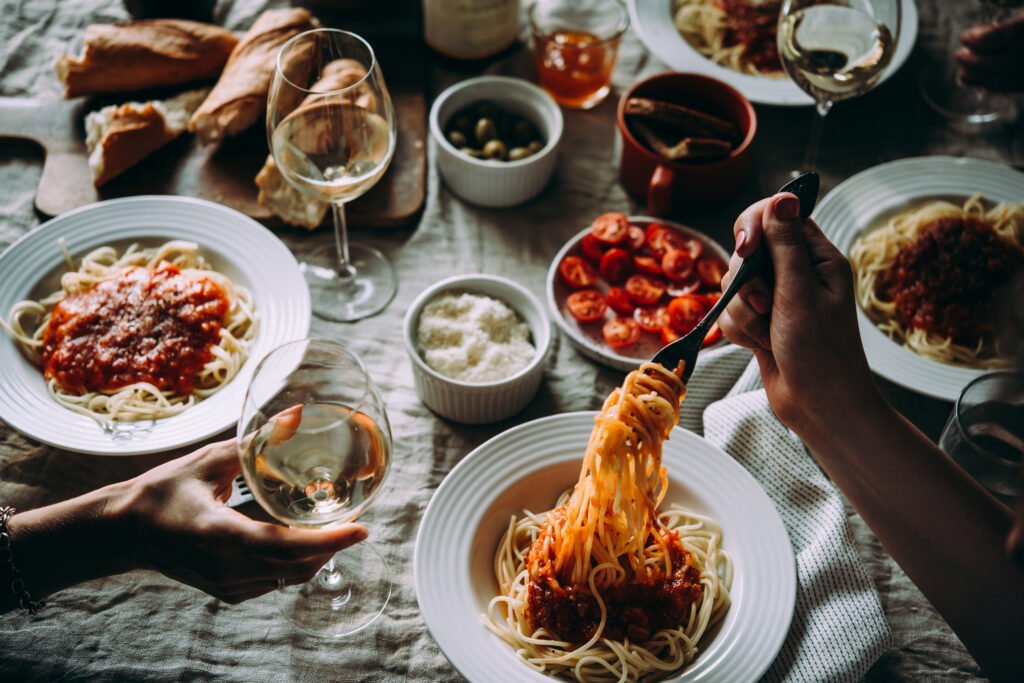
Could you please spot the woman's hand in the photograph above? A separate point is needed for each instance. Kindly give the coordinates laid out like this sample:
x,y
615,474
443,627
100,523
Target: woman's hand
x,y
800,322
177,523
992,55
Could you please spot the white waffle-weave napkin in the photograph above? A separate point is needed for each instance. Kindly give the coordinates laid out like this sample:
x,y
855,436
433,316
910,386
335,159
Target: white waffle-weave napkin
x,y
839,629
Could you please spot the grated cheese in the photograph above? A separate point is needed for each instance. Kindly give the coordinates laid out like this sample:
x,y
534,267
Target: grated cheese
x,y
473,338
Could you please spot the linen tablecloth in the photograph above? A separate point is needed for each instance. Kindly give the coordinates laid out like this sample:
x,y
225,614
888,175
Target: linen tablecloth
x,y
141,626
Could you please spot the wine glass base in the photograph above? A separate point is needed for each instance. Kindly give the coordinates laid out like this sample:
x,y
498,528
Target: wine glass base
x,y
966,106
364,290
345,601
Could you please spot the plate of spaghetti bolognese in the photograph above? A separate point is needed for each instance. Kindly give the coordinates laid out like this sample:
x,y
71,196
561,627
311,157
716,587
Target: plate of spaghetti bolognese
x,y
130,326
734,41
932,242
607,546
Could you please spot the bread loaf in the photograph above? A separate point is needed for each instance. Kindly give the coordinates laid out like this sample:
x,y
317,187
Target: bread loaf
x,y
145,54
119,136
239,98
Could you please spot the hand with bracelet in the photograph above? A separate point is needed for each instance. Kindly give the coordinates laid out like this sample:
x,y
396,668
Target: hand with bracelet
x,y
962,548
172,519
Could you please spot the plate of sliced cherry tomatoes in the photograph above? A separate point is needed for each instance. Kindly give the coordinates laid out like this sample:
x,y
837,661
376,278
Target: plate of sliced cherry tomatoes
x,y
626,286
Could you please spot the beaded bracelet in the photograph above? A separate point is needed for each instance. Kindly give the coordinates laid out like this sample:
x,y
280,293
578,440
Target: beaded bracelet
x,y
7,561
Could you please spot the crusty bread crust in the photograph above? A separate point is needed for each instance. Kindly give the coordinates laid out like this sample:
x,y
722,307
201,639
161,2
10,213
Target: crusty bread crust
x,y
240,96
119,136
145,54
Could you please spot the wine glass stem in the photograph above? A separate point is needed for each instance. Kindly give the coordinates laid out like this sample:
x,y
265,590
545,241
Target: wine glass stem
x,y
345,269
814,143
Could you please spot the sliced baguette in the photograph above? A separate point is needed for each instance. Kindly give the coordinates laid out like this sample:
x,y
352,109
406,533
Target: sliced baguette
x,y
145,54
240,96
120,136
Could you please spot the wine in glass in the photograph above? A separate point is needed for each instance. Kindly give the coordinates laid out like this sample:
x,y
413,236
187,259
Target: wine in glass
x,y
315,447
332,131
834,50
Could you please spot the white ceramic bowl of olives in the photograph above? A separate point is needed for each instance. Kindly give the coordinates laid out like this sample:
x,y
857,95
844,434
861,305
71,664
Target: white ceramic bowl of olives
x,y
496,139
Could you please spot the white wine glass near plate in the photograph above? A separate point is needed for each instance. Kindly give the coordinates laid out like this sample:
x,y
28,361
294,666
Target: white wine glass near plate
x,y
833,50
527,467
652,21
233,244
315,447
864,201
331,128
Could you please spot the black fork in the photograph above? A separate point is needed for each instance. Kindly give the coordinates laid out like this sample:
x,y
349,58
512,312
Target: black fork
x,y
686,348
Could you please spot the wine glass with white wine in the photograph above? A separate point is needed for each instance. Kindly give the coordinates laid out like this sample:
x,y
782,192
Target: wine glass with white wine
x,y
835,50
332,130
315,447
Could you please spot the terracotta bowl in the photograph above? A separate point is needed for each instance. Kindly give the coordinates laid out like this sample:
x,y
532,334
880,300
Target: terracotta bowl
x,y
666,185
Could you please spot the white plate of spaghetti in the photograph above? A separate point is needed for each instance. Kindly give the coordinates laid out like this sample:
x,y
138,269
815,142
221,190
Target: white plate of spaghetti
x,y
130,326
661,25
930,240
714,548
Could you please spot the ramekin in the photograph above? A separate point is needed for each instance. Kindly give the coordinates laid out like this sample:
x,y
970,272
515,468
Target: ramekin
x,y
484,402
490,183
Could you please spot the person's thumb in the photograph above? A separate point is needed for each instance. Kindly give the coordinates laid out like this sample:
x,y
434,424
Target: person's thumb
x,y
784,234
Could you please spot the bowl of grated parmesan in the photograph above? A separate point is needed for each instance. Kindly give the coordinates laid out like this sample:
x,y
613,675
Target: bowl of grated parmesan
x,y
477,344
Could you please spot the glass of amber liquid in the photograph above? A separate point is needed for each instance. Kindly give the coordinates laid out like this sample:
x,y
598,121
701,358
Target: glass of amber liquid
x,y
574,45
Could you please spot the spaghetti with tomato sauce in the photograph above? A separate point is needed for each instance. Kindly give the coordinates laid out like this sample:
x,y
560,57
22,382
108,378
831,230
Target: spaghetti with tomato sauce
x,y
930,276
136,335
608,585
739,34
154,325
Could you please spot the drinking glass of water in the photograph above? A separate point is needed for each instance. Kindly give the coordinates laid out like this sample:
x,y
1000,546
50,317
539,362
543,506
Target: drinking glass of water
x,y
985,432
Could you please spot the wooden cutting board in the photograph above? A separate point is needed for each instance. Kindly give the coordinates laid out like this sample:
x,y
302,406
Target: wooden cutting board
x,y
220,173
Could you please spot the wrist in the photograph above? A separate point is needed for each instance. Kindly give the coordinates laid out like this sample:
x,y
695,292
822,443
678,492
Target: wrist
x,y
842,417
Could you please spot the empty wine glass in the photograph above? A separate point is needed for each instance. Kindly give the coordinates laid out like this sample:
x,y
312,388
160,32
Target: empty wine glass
x,y
963,104
332,131
834,50
315,447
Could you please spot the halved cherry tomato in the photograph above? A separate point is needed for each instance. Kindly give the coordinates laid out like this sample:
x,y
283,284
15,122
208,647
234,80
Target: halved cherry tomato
x,y
610,228
688,286
616,265
661,238
620,333
677,264
635,240
693,246
577,273
586,305
651,319
592,248
710,271
684,312
668,335
713,336
644,290
619,301
648,265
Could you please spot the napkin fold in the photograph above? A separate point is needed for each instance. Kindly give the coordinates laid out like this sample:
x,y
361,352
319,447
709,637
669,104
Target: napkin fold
x,y
839,628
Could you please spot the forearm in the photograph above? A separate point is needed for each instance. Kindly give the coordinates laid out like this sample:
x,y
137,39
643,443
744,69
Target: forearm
x,y
942,528
63,544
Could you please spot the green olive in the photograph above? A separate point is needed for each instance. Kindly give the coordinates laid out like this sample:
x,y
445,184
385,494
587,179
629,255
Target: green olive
x,y
470,152
524,131
485,131
517,153
494,149
535,146
457,139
